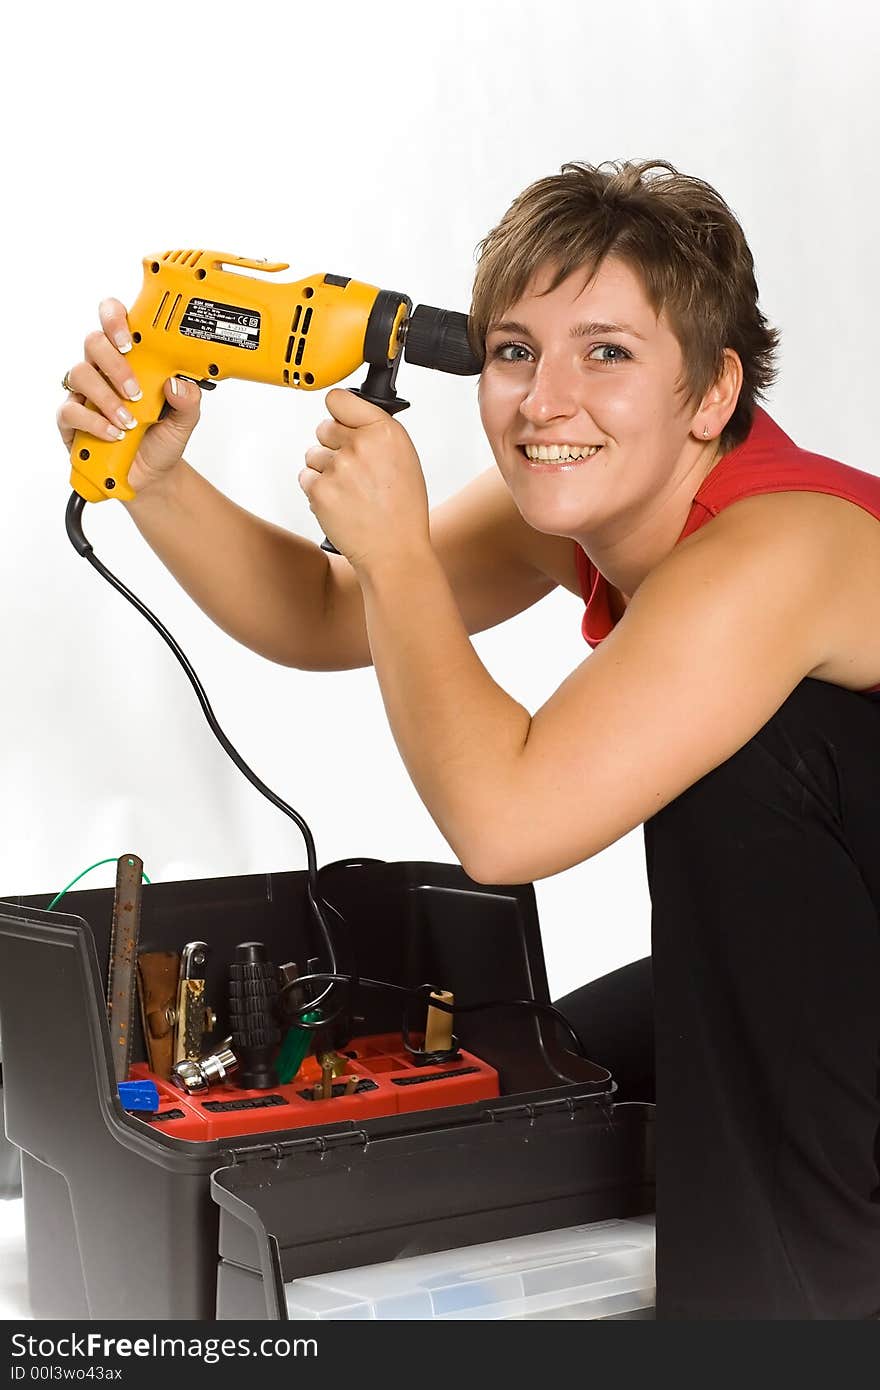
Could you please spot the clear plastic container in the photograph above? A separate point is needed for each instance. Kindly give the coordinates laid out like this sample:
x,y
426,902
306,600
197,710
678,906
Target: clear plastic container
x,y
602,1270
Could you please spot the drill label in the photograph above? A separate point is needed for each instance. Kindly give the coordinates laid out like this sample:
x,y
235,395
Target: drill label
x,y
221,323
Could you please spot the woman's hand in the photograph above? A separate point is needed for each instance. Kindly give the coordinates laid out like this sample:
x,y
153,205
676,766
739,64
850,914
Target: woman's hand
x,y
364,483
105,378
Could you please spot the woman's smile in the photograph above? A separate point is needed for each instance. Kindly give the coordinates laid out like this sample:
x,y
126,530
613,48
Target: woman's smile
x,y
556,458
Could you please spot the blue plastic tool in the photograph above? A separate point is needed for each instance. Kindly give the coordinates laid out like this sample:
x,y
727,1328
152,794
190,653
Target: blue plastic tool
x,y
138,1095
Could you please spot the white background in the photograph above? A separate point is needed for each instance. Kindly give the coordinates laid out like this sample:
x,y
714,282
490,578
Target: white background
x,y
378,141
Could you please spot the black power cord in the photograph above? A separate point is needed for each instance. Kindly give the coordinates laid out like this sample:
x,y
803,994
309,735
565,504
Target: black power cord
x,y
333,977
427,994
73,522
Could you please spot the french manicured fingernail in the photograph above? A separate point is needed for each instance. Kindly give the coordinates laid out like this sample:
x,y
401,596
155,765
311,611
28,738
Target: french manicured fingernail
x,y
174,386
115,433
122,341
127,420
132,390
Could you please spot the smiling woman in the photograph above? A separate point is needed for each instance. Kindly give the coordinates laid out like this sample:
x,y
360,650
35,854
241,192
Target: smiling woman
x,y
732,589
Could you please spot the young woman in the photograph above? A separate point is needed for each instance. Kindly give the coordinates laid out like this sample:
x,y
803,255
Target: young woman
x,y
732,589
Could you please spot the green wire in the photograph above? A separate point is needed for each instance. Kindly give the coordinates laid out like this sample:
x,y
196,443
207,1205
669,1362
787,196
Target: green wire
x,y
59,896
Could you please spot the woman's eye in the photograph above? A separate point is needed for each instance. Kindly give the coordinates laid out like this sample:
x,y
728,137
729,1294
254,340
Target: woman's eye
x,y
609,347
611,353
505,349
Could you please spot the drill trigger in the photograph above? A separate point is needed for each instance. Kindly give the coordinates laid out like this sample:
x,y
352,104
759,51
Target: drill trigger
x,y
206,385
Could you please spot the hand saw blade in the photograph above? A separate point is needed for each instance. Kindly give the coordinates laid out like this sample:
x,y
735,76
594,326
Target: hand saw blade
x,y
123,957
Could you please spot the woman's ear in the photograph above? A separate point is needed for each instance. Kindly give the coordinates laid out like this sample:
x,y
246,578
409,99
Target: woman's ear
x,y
720,400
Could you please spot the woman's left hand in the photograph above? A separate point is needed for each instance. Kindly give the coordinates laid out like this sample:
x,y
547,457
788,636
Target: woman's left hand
x,y
364,482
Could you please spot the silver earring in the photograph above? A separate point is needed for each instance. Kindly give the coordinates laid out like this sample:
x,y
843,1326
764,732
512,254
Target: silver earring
x,y
705,431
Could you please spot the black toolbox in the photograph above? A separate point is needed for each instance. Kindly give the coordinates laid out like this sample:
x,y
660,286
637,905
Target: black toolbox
x,y
123,1221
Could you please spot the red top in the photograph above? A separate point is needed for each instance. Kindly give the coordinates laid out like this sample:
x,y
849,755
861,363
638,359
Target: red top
x,y
766,461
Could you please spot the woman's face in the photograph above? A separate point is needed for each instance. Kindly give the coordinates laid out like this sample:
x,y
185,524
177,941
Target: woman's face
x,y
584,367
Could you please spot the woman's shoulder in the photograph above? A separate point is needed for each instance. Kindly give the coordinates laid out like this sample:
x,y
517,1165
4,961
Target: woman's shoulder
x,y
836,536
829,519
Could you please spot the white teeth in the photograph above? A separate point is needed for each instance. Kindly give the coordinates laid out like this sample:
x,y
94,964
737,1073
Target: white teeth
x,y
560,453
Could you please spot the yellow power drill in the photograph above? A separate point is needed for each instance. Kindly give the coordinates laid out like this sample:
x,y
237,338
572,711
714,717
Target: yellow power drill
x,y
197,319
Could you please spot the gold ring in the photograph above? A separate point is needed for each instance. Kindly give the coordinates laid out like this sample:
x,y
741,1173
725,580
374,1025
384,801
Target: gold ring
x,y
65,382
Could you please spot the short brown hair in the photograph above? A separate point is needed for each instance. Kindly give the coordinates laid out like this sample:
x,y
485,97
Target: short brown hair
x,y
677,232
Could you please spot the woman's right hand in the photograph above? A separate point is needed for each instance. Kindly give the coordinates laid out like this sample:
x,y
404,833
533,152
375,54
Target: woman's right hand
x,y
105,379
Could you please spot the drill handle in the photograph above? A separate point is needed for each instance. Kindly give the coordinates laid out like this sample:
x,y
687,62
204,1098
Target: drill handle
x,y
378,389
99,467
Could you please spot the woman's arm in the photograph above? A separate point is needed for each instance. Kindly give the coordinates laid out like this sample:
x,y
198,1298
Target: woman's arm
x,y
710,646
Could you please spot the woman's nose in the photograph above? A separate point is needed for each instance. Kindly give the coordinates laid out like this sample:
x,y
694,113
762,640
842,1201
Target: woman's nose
x,y
551,396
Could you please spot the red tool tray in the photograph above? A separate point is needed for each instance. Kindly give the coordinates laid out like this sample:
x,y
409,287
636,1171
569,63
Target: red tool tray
x,y
389,1083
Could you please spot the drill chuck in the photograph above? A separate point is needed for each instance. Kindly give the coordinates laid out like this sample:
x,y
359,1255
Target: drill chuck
x,y
438,338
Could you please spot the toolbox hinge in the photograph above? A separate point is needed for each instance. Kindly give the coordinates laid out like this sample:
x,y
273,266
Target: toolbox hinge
x,y
320,1143
556,1105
